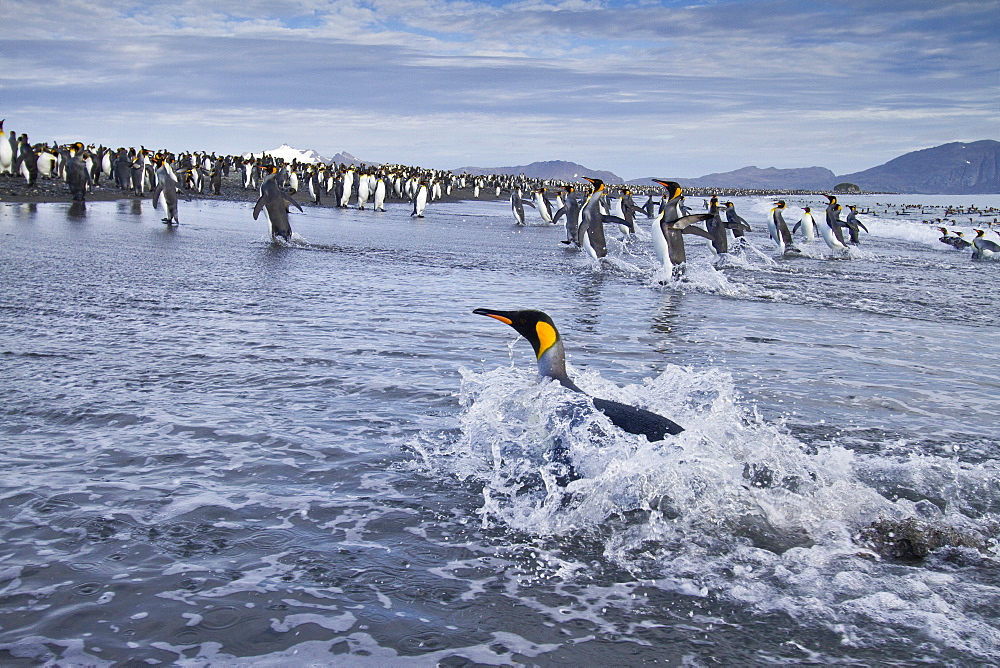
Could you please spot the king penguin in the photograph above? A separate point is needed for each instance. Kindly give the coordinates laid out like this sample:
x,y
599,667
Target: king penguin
x,y
854,225
831,232
956,240
717,228
541,333
420,200
591,231
275,201
517,205
77,174
6,152
983,248
570,209
807,224
669,226
165,192
778,229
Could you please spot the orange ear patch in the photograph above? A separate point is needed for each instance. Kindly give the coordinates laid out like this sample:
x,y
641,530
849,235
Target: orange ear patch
x,y
546,336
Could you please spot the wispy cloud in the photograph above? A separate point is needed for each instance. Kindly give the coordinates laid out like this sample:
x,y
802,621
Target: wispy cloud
x,y
639,87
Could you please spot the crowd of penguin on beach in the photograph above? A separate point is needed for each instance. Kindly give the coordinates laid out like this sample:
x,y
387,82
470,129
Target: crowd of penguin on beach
x,y
277,183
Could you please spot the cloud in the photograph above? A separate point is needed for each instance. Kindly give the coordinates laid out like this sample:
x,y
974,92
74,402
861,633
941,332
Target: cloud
x,y
844,85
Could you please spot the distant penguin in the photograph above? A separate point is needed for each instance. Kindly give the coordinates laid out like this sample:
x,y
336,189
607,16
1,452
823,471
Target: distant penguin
x,y
165,192
77,174
347,187
541,333
315,189
832,234
807,224
364,189
854,225
778,230
28,161
46,163
381,190
6,152
420,200
275,201
216,179
956,240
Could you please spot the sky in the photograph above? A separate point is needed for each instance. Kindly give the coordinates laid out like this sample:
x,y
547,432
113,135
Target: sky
x,y
639,88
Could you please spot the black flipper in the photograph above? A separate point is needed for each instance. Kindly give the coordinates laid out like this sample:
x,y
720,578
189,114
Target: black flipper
x,y
638,420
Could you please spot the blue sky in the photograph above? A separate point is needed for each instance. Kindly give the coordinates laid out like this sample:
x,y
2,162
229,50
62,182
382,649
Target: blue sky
x,y
645,88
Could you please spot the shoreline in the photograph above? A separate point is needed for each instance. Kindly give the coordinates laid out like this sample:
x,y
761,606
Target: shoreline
x,y
52,191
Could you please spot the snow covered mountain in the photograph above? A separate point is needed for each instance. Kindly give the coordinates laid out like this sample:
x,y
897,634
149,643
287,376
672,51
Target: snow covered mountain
x,y
287,153
309,157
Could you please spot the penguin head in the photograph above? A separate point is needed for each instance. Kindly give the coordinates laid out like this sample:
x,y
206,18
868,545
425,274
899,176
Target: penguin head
x,y
980,233
535,326
673,188
832,198
598,187
780,204
807,210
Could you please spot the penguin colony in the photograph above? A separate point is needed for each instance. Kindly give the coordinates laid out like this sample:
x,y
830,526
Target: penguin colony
x,y
584,212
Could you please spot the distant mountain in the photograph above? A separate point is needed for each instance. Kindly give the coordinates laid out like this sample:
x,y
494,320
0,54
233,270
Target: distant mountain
x,y
348,159
549,170
770,178
950,169
287,153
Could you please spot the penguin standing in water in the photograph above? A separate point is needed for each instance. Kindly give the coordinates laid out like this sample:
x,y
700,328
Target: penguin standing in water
x,y
590,235
736,223
275,201
517,205
854,225
832,234
543,205
420,200
570,209
77,174
165,192
717,228
807,224
380,193
669,227
541,333
778,230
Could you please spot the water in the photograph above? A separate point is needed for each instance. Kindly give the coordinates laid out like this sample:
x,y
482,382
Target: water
x,y
220,450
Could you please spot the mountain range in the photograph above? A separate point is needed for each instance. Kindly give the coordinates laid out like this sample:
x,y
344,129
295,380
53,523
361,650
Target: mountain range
x,y
958,168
